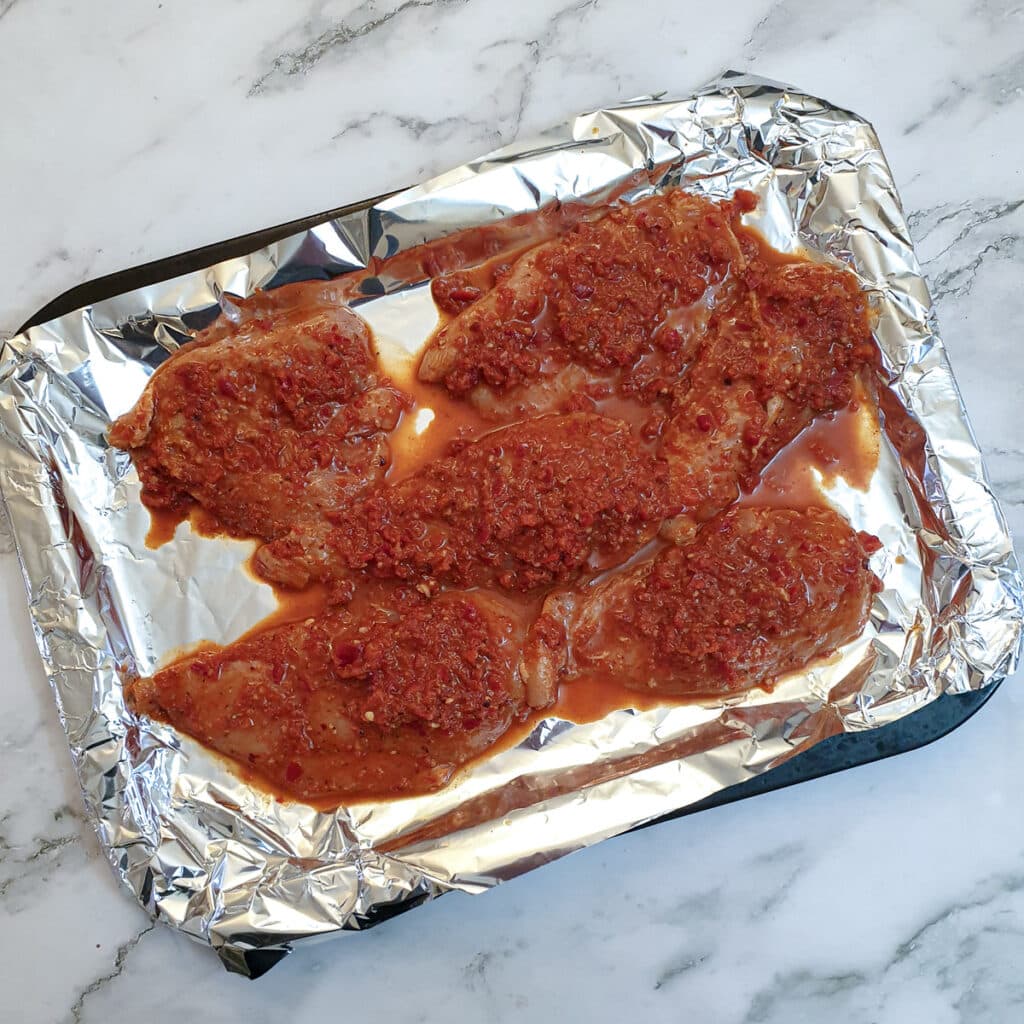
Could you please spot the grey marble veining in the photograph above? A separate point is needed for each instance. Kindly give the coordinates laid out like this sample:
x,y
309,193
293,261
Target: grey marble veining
x,y
891,895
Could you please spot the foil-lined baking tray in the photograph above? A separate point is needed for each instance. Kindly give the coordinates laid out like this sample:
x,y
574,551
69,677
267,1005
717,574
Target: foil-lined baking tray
x,y
253,875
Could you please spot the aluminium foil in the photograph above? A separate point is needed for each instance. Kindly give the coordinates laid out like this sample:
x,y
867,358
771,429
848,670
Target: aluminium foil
x,y
253,875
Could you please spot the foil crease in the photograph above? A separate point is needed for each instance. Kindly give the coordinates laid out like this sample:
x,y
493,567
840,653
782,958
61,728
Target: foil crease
x,y
252,875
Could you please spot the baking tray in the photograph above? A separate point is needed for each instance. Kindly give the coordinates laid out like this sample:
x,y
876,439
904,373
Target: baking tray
x,y
837,753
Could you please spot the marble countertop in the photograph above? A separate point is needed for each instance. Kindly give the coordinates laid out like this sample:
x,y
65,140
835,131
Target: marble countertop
x,y
893,894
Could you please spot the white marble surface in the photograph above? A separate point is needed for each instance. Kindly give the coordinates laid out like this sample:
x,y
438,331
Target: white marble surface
x,y
894,894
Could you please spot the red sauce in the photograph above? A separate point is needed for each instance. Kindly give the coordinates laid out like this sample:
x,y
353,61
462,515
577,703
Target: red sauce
x,y
163,523
843,445
266,425
622,379
617,298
